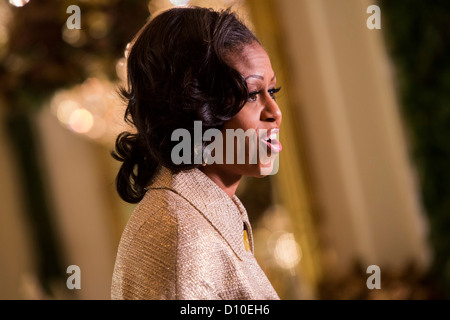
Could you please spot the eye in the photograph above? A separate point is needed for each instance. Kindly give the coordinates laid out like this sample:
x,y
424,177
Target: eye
x,y
253,96
273,92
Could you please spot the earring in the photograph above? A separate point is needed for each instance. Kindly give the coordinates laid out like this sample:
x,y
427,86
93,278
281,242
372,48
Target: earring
x,y
206,156
197,151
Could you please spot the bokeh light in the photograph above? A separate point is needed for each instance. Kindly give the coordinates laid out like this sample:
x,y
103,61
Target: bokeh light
x,y
287,252
179,2
18,3
65,110
81,121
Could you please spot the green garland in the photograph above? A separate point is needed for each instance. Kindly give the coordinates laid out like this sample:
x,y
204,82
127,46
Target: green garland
x,y
418,37
39,62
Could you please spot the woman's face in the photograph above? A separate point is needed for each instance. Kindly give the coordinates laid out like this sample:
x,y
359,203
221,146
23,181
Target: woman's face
x,y
260,115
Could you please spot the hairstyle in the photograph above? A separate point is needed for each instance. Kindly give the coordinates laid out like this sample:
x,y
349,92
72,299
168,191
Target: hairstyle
x,y
177,74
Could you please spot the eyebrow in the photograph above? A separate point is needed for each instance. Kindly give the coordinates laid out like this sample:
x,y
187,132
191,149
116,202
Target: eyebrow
x,y
259,77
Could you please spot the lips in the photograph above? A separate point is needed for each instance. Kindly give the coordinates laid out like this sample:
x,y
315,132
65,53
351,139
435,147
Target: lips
x,y
271,140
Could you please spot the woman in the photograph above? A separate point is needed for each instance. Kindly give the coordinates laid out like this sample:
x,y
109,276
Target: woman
x,y
189,236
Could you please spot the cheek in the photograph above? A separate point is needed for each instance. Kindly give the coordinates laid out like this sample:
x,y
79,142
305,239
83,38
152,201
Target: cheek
x,y
249,143
244,120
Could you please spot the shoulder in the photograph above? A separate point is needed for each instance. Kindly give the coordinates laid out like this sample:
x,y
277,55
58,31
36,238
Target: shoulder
x,y
145,266
165,230
155,220
162,213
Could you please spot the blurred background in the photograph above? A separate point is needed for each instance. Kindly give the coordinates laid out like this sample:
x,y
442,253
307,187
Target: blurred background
x,y
364,174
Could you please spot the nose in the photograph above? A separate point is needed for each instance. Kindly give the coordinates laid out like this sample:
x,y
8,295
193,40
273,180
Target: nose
x,y
271,111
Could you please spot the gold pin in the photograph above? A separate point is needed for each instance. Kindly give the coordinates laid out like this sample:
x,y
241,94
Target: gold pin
x,y
246,243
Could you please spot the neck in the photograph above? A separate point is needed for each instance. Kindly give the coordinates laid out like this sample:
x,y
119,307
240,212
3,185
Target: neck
x,y
226,181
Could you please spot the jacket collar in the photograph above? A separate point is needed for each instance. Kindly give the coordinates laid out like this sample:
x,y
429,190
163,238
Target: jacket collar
x,y
227,215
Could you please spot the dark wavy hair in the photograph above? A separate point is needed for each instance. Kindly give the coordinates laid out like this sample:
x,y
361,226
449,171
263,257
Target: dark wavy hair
x,y
177,74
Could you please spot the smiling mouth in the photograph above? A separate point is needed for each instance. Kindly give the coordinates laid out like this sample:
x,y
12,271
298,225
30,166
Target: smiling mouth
x,y
272,142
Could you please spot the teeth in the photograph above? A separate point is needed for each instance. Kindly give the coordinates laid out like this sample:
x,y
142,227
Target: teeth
x,y
273,136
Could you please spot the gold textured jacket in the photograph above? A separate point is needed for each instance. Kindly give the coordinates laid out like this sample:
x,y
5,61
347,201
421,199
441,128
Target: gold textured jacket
x,y
185,240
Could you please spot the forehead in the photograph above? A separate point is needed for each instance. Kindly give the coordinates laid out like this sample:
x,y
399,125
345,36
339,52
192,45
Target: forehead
x,y
252,60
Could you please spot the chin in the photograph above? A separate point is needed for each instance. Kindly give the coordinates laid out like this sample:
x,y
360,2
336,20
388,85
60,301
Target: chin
x,y
266,170
261,170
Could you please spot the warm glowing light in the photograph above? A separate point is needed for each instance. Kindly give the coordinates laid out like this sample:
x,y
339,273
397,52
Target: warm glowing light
x,y
179,2
74,37
18,3
92,87
127,50
121,69
81,121
65,109
98,130
92,109
98,25
287,252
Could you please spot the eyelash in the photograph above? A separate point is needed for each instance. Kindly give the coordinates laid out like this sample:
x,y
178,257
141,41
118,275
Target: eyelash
x,y
272,92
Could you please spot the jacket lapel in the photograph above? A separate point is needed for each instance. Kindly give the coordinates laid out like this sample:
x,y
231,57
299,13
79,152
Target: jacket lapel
x,y
245,219
226,215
